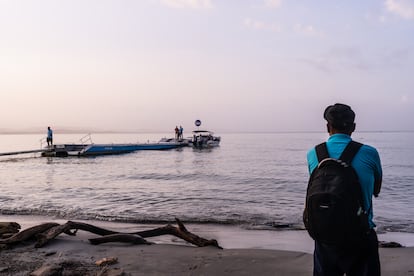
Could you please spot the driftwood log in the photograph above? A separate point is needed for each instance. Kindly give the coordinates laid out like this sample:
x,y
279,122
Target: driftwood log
x,y
7,228
127,238
180,232
28,233
46,232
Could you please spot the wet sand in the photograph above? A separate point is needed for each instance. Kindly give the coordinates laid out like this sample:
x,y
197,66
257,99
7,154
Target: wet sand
x,y
245,252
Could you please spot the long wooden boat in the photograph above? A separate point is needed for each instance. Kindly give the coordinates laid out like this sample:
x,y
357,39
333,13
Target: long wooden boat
x,y
65,150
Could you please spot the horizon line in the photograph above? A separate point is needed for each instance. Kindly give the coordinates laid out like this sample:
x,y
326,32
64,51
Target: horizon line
x,y
109,131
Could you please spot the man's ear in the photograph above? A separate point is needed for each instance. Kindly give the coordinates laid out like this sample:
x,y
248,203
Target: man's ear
x,y
328,128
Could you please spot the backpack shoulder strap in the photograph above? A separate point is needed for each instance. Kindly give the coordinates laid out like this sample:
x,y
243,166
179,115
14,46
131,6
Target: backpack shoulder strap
x,y
321,152
349,152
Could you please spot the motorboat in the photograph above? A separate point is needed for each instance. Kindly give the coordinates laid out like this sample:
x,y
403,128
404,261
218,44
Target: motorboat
x,y
204,139
182,141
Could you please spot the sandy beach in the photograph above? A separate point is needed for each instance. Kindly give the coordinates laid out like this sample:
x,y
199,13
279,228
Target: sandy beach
x,y
245,252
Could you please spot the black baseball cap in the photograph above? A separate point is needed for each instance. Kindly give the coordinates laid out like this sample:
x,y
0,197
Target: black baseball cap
x,y
340,116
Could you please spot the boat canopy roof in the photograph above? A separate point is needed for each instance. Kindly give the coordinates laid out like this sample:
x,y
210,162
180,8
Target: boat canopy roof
x,y
202,132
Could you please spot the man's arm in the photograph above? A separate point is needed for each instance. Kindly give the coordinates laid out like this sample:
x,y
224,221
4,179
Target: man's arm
x,y
377,186
377,175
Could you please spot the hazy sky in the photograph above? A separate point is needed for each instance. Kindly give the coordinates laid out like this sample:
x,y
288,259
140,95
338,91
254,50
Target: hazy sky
x,y
237,65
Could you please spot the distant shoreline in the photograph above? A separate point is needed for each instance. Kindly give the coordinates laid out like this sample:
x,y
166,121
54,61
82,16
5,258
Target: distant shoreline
x,y
84,131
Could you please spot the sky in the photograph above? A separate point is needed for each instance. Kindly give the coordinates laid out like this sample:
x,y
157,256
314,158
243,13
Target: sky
x,y
236,65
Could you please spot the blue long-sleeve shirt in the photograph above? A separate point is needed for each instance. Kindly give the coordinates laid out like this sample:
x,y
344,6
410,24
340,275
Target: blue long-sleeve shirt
x,y
49,133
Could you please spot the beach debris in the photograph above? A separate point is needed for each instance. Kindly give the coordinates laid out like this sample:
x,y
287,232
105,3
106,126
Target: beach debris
x,y
46,232
127,238
28,233
66,267
107,261
385,244
180,232
47,270
47,254
7,228
51,233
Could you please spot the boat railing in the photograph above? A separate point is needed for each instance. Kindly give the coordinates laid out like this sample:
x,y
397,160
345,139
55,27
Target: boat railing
x,y
85,139
42,142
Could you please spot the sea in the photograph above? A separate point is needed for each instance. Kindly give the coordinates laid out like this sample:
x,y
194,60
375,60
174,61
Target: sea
x,y
253,180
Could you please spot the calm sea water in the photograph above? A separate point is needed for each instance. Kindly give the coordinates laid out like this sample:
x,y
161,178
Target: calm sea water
x,y
256,180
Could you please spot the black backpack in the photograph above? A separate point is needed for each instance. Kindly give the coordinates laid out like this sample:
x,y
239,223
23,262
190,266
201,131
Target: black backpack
x,y
334,212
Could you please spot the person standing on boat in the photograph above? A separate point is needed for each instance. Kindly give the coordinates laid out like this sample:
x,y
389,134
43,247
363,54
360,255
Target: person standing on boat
x,y
49,138
177,134
180,136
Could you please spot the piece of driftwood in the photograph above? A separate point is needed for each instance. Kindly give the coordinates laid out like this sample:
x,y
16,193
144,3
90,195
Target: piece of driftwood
x,y
9,228
66,228
107,261
180,232
127,238
48,231
392,244
28,233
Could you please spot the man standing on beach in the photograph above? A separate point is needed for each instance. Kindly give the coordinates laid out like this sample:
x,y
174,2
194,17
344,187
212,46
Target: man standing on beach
x,y
362,259
49,137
